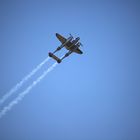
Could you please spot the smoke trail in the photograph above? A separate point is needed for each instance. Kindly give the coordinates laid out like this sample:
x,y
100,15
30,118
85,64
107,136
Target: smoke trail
x,y
19,85
22,94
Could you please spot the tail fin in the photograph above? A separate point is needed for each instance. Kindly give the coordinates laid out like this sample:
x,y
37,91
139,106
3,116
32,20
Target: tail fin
x,y
55,57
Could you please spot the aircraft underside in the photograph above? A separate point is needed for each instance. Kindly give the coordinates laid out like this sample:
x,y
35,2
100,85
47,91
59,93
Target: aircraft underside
x,y
70,44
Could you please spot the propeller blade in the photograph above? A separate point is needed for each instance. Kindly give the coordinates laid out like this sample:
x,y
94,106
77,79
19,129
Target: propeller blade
x,y
81,44
71,35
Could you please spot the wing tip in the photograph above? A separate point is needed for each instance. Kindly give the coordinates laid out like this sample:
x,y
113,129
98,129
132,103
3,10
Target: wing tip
x,y
57,34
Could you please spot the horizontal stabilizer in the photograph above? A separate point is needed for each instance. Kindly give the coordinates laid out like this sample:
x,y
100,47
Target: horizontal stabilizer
x,y
55,57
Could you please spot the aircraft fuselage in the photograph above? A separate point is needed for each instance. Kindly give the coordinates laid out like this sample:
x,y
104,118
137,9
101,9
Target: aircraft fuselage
x,y
72,45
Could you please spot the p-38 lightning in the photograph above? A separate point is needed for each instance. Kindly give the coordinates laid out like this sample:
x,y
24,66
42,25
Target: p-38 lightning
x,y
70,44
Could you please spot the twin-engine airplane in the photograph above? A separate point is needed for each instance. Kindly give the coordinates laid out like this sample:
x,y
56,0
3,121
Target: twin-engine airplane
x,y
70,44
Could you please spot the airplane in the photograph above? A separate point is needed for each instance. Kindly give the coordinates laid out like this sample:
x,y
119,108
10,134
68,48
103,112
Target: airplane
x,y
70,44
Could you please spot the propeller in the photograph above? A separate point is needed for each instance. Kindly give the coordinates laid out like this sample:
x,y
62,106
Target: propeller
x,y
71,35
81,44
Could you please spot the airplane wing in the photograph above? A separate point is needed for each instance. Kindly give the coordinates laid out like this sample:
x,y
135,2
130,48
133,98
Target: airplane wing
x,y
78,51
61,38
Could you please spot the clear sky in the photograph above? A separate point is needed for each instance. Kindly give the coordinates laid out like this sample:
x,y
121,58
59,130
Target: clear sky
x,y
94,96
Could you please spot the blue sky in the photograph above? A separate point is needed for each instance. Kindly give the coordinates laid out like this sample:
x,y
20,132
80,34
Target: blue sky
x,y
91,96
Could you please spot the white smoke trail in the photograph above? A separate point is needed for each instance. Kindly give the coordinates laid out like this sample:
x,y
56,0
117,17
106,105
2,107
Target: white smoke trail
x,y
22,94
19,85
